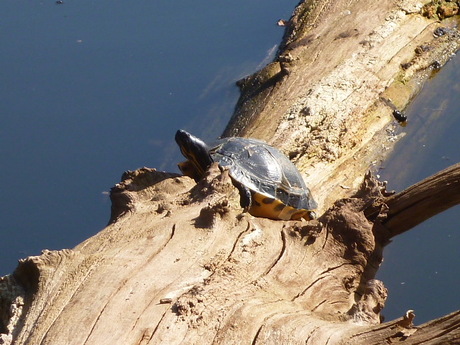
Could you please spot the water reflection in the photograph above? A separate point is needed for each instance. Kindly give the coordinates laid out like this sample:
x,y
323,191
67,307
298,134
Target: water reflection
x,y
93,88
421,267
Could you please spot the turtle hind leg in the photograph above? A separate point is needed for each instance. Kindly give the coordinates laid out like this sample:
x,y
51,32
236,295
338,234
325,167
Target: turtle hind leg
x,y
245,197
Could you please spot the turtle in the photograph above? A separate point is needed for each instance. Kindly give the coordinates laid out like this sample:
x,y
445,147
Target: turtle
x,y
270,185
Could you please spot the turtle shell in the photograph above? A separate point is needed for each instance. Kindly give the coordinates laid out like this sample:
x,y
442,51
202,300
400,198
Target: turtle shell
x,y
278,190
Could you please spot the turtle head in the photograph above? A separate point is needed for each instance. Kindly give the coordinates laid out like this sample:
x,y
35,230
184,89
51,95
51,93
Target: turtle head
x,y
197,153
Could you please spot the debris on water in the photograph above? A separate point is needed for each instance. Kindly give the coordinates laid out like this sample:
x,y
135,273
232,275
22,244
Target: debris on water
x,y
282,22
399,116
59,2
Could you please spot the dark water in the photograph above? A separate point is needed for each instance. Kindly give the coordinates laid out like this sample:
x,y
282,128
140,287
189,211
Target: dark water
x,y
90,89
422,266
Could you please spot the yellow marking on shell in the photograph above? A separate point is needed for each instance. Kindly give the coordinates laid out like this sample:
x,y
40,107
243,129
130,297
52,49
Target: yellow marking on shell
x,y
263,206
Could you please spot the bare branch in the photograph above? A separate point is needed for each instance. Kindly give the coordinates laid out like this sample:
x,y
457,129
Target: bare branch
x,y
423,200
445,330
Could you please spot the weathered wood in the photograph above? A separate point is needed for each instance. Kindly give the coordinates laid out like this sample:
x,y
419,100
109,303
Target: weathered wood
x,y
229,278
182,263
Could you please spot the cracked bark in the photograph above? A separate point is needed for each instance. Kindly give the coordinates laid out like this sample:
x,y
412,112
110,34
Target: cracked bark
x,y
181,262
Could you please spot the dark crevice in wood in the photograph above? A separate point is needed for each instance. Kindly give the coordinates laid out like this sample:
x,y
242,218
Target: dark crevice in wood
x,y
334,268
310,335
157,326
282,251
254,341
237,240
319,305
306,289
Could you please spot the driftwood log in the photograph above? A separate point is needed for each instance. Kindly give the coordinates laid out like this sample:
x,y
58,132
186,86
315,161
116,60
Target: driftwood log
x,y
182,262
